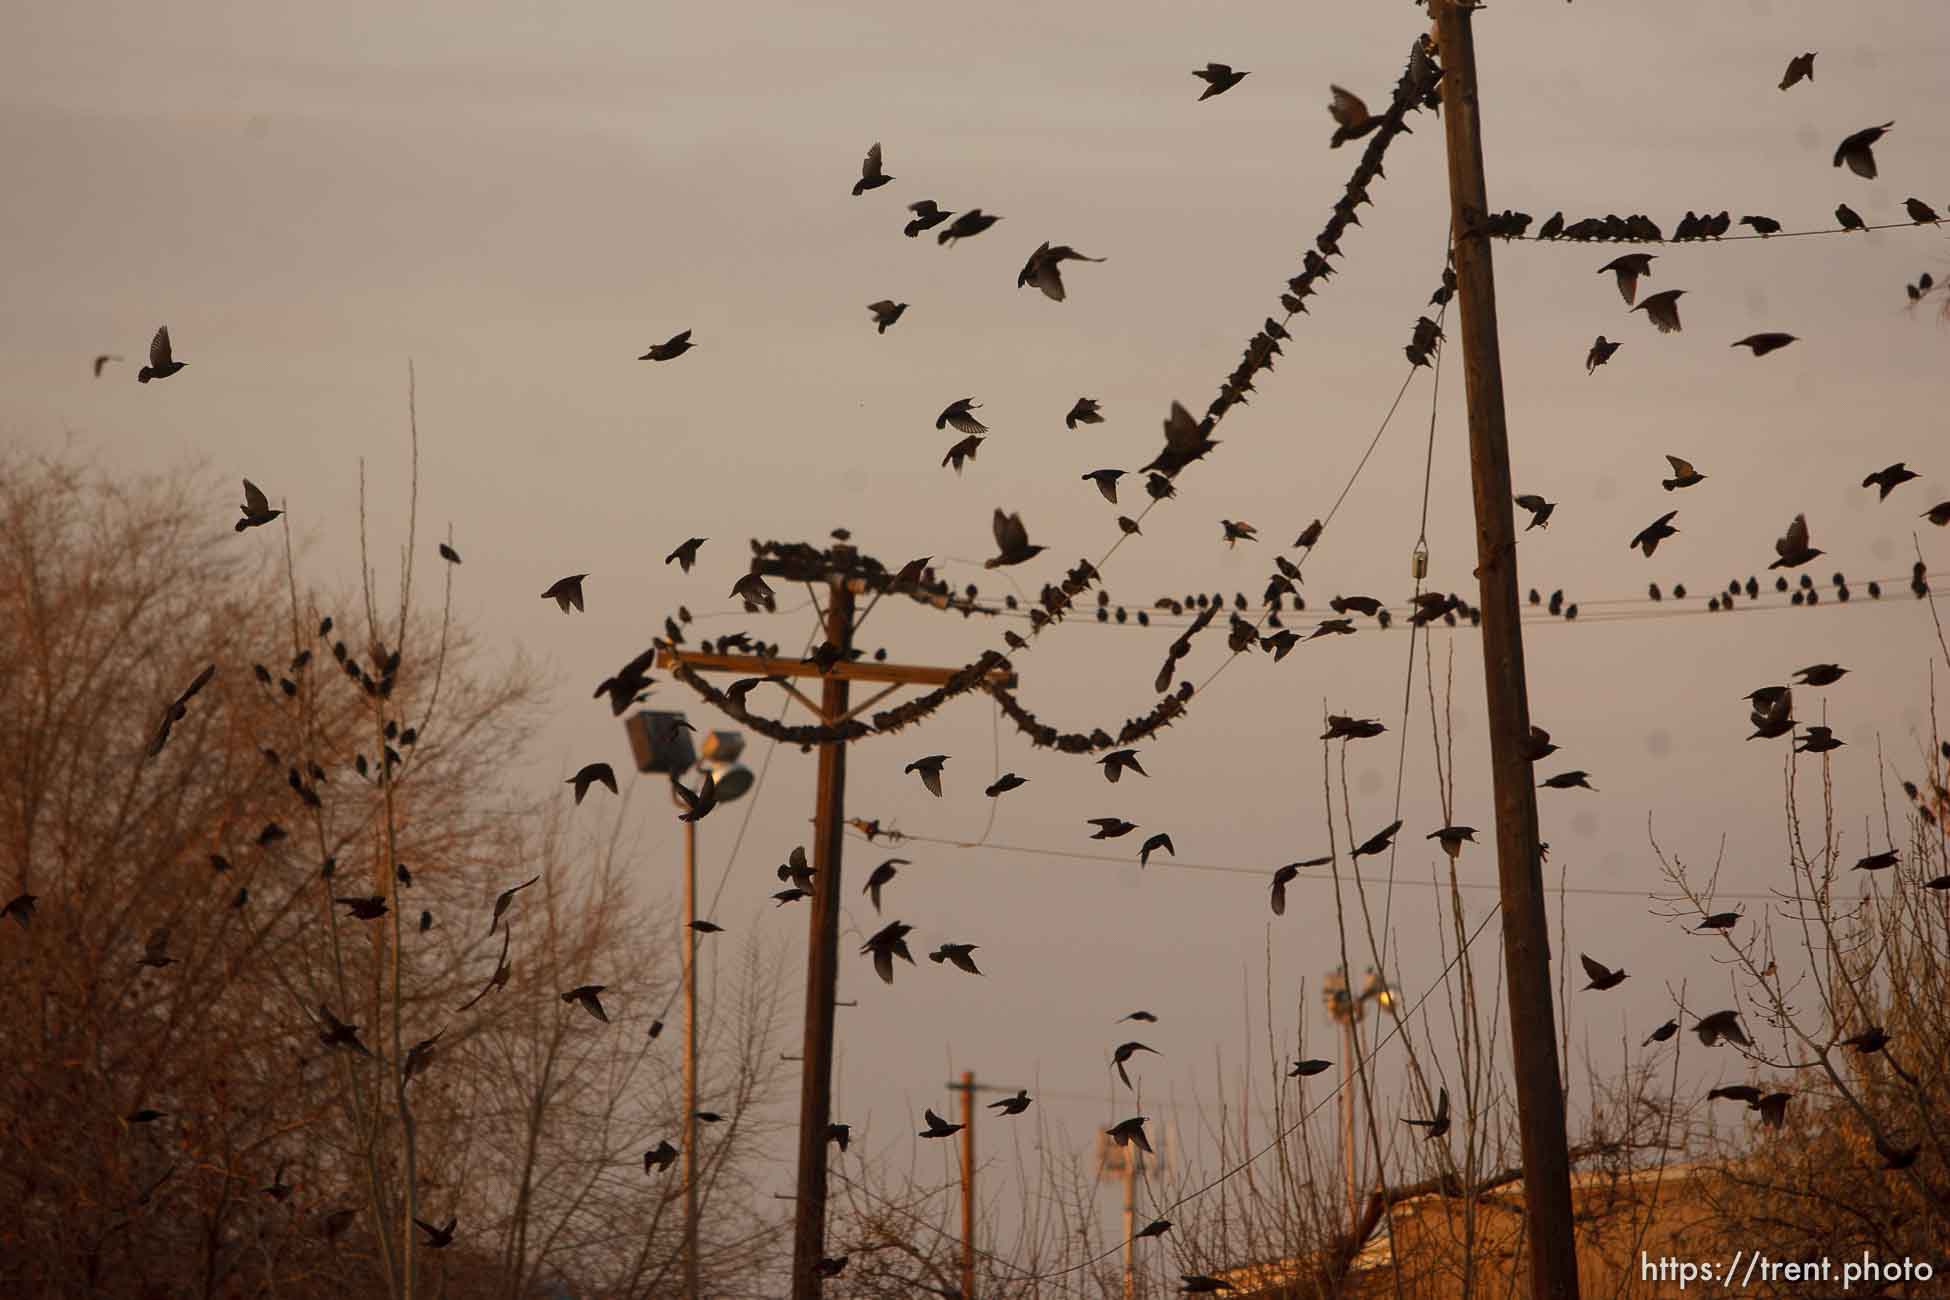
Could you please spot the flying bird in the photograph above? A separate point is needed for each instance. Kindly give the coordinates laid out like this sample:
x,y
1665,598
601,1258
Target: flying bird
x,y
1124,1052
1438,1125
1352,120
871,176
1378,842
1201,1284
1662,309
21,908
1308,1069
438,1238
938,1127
103,360
1152,845
1540,510
1110,828
256,510
162,362
1800,68
930,770
881,876
926,217
1011,541
1888,480
334,1032
1869,1041
178,710
1602,976
1118,761
1683,475
699,803
449,554
1218,79
1106,481
959,954
566,592
686,554
364,908
661,1156
1878,861
1453,838
1015,1105
1281,878
1821,674
502,971
1566,780
1721,1024
504,900
589,774
1086,411
889,942
1938,514
1044,269
1125,1132
958,413
970,223
1629,269
629,684
670,349
1858,150
1003,784
1792,546
1600,353
1155,1228
1762,344
585,994
1237,531
962,452
1652,534
1662,1033
885,313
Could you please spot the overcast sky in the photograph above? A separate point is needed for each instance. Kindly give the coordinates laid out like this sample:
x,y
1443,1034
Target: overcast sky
x,y
522,198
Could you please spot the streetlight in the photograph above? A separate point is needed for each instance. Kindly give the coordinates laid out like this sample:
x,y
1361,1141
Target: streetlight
x,y
1344,1007
661,742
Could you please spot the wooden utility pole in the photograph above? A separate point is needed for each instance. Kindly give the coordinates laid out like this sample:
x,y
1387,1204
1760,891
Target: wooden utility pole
x,y
1526,947
690,1057
843,583
1131,1158
967,1090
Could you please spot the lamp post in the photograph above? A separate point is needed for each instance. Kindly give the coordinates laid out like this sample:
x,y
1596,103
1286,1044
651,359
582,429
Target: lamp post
x,y
1344,1007
661,742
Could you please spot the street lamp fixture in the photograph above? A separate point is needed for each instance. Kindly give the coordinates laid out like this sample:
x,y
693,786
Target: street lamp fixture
x,y
1345,1008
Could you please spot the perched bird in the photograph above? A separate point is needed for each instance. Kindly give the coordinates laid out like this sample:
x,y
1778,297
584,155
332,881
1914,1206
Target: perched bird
x,y
1652,534
366,908
1003,784
1629,269
1124,1052
1118,761
162,362
504,900
699,803
840,1134
885,313
880,877
871,176
1721,1024
1848,218
1800,68
1718,921
1662,309
1920,212
1662,1033
1792,546
926,217
178,710
1821,674
1938,514
959,954
1763,226
1352,120
930,770
1218,79
1110,828
670,349
1379,842
1125,1132
686,554
1308,1069
1015,1105
1858,150
970,223
1237,531
1453,838
938,1127
1888,480
1683,476
661,1156
1155,1228
962,452
1044,269
1011,542
449,554
1762,344
438,1238
958,413
1086,411
1602,976
889,942
1106,481
1600,353
1869,1041
1540,510
256,509
566,592
1566,780
588,776
1438,1125
1152,845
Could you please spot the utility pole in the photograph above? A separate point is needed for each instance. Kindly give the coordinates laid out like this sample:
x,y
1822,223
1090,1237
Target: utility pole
x,y
1131,1158
967,1090
1349,1078
839,570
690,1057
1526,947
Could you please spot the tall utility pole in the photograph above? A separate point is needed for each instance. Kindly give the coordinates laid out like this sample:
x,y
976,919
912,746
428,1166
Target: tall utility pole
x,y
1526,947
690,1058
839,569
967,1091
1131,1157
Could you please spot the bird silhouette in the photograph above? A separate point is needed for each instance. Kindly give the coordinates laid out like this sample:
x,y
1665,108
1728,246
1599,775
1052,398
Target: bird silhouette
x,y
502,971
1848,218
1281,879
929,769
1858,150
1086,411
504,900
1106,481
1015,1105
1379,842
586,996
1110,828
1352,120
1800,68
1662,1033
1721,1025
365,908
661,1156
1600,353
926,217
1218,79
1683,476
448,553
256,510
670,349
958,413
1652,534
1868,1042
885,313
1877,861
155,949
162,362
21,908
1920,212
1044,269
871,175
1152,845
1308,1069
1568,780
1201,1284
1003,784
968,224
1629,269
178,710
938,1127
1540,510
1821,674
1662,309
1743,1092
1155,1228
1718,921
1118,761
1237,531
103,360
1888,480
1602,976
958,954
1792,546
889,942
1185,441
962,452
1938,514
1452,838
1762,344
880,877
1437,1125
335,1033
589,774
1011,541
438,1238
1123,1053
699,803
1125,1132
1762,226
566,592
1144,1016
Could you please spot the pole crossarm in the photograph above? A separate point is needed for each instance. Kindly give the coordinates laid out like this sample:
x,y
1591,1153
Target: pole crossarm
x,y
852,671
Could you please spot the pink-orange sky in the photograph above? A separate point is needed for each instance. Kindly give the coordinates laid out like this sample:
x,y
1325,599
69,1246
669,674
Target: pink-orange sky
x,y
522,201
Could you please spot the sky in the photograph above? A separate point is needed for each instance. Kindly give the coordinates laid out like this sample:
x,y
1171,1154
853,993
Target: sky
x,y
521,199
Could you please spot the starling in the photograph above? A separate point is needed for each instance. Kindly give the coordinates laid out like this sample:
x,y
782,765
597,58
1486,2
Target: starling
x,y
1540,510
1125,1132
930,770
503,900
449,554
1920,212
178,710
162,363
1683,475
368,908
670,349
1438,1125
1848,218
1155,1228
1144,1016
566,592
1152,845
21,908
1086,411
1237,531
1877,861
1117,762
1792,547
881,876
1718,921
1200,1284
1340,727
1629,269
1352,120
1821,674
1800,68
959,954
1869,1041
1106,481
958,413
1888,480
1015,1105
1308,1069
1763,226
1566,780
438,1238
1452,838
589,775
1662,309
697,803
1602,976
686,554
938,1127
889,942
1011,541
1044,269
970,223
1653,533
1721,1024
871,176
1110,828
885,313
1858,150
1003,784
926,217
1745,1092
1662,1033
661,1156
1379,842
1762,344
840,1134
1938,514
962,452
256,510
1218,79
1600,353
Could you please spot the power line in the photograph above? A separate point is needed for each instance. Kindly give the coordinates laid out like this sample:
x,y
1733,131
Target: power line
x,y
1726,239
